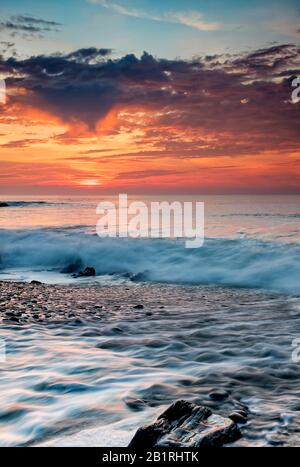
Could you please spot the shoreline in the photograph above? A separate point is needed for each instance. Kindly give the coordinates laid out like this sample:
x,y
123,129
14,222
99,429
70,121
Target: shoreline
x,y
84,357
24,302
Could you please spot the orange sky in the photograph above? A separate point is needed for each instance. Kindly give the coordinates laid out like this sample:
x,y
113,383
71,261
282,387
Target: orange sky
x,y
175,127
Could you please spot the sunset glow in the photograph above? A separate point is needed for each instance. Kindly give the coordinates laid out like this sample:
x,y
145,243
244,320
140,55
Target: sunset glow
x,y
99,119
89,182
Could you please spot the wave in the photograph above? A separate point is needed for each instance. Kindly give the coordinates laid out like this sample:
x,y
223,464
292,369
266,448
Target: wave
x,y
259,214
24,203
239,262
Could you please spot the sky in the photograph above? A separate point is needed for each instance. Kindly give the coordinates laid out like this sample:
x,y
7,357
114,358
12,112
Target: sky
x,y
149,96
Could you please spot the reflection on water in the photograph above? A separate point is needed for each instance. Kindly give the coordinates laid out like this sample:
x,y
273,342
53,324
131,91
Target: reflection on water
x,y
187,341
271,217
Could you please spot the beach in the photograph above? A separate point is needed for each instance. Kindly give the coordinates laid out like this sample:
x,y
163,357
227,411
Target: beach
x,y
90,362
90,359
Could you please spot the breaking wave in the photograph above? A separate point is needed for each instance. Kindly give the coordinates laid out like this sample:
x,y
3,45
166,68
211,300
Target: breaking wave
x,y
238,262
20,204
295,215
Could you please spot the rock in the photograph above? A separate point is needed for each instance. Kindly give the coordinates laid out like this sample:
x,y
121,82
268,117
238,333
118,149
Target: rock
x,y
3,205
14,319
138,307
73,267
135,404
241,405
185,424
241,412
237,417
140,276
87,272
218,395
9,313
35,282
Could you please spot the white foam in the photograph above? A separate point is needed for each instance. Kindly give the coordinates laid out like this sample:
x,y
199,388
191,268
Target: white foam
x,y
239,262
112,435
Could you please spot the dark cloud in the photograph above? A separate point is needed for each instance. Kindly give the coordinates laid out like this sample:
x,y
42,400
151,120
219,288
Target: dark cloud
x,y
265,62
85,55
32,20
204,107
28,26
97,151
22,143
139,174
15,27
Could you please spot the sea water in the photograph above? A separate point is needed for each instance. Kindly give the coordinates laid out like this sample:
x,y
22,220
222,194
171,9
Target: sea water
x,y
231,314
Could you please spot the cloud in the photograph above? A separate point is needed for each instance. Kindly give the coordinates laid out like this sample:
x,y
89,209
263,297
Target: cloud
x,y
22,143
139,174
193,19
23,19
40,174
97,151
188,109
88,54
28,26
8,47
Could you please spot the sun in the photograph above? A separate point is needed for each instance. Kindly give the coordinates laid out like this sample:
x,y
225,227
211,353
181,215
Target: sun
x,y
90,182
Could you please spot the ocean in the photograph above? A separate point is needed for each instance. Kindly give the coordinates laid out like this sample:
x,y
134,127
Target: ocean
x,y
223,316
250,241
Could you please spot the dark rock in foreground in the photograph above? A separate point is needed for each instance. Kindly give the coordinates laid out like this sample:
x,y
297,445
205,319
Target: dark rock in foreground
x,y
185,424
87,272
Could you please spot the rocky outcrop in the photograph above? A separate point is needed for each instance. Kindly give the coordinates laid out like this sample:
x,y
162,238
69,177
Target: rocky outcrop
x,y
185,424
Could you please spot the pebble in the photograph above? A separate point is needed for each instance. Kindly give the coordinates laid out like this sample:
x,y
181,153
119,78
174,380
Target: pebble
x,y
33,303
238,418
218,395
